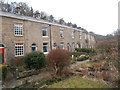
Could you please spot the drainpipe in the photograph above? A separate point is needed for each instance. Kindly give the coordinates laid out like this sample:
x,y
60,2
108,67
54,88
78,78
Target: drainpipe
x,y
50,38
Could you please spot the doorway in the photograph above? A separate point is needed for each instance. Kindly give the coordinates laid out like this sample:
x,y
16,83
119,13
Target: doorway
x,y
2,54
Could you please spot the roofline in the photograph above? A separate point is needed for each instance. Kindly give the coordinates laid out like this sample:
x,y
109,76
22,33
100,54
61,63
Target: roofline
x,y
17,16
11,15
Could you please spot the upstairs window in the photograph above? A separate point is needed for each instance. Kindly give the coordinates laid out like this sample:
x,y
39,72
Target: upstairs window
x,y
85,36
61,34
73,34
44,32
19,49
80,36
18,29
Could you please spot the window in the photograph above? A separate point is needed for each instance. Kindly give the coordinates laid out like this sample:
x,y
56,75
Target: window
x,y
68,46
85,36
44,32
80,36
19,49
62,45
2,56
34,48
61,34
81,45
54,46
73,34
45,48
18,29
77,45
73,46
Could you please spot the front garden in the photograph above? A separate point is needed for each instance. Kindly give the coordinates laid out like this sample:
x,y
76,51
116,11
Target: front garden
x,y
95,73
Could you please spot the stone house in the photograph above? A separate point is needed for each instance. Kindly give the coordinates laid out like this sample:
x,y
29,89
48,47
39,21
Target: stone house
x,y
20,35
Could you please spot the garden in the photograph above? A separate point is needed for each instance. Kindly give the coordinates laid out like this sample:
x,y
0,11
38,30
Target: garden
x,y
97,72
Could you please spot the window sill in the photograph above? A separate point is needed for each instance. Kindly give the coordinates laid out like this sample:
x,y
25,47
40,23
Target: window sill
x,y
19,55
45,52
62,37
18,35
45,36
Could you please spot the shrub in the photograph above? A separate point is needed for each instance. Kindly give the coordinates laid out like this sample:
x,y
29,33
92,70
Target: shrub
x,y
35,60
3,71
1,58
17,61
58,61
78,53
86,50
82,58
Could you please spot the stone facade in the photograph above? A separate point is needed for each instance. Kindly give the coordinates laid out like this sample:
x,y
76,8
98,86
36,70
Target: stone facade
x,y
33,34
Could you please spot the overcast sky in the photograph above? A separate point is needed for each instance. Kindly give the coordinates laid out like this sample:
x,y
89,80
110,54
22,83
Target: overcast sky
x,y
99,16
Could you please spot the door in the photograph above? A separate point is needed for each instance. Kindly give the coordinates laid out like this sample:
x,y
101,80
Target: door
x,y
2,54
68,47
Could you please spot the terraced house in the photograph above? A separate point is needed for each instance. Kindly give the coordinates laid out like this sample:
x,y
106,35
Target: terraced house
x,y
20,35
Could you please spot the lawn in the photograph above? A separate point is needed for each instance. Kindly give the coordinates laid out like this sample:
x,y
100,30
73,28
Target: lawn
x,y
78,82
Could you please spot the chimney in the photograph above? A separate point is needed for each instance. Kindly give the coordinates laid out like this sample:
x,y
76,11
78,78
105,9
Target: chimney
x,y
18,9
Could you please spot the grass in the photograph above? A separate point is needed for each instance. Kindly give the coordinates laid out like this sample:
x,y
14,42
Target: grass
x,y
89,63
78,82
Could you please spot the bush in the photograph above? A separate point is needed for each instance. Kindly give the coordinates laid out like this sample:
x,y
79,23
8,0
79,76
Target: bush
x,y
3,71
82,58
35,60
58,61
1,58
17,61
86,50
78,53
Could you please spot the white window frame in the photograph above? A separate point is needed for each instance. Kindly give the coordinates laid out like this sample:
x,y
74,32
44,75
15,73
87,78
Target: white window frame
x,y
73,46
77,45
73,34
85,36
47,48
62,45
19,29
61,33
45,29
16,46
80,36
81,45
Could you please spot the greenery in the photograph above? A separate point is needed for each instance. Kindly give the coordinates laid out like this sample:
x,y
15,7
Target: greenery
x,y
78,53
3,71
35,60
1,58
82,58
86,50
78,82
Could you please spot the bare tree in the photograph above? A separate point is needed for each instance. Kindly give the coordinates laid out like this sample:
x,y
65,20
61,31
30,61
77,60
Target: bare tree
x,y
36,14
51,18
61,21
43,15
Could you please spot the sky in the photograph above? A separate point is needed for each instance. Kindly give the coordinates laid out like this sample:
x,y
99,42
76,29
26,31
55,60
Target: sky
x,y
98,16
